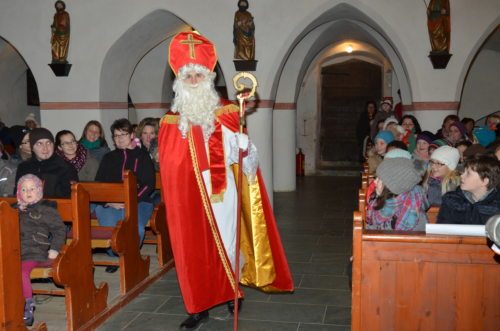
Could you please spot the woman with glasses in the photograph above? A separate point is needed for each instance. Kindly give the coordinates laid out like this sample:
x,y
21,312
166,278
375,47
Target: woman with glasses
x,y
126,156
442,176
76,155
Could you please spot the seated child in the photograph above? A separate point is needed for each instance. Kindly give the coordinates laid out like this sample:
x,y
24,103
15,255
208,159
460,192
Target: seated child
x,y
398,203
478,197
42,235
375,156
442,176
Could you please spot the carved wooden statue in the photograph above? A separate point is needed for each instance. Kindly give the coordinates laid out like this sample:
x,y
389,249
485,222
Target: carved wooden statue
x,y
243,33
438,23
60,33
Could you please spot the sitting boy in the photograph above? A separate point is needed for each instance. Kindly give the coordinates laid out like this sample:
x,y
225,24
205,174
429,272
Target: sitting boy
x,y
478,197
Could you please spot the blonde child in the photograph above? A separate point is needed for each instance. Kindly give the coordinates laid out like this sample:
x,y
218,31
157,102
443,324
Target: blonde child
x,y
442,175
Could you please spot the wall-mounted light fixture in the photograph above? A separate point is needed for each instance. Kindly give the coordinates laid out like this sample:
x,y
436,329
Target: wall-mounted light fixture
x,y
348,49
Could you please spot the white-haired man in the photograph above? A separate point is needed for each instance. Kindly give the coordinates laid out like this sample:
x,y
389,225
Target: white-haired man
x,y
198,144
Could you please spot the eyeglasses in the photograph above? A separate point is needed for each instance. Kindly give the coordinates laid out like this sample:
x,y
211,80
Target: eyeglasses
x,y
46,143
69,143
436,163
120,135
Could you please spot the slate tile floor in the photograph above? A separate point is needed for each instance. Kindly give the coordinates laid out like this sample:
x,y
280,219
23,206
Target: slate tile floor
x,y
315,223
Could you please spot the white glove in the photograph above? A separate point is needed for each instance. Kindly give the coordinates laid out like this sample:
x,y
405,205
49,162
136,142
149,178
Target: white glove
x,y
495,249
242,141
53,254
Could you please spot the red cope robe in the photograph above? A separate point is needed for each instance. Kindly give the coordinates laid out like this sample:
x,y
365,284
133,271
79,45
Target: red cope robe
x,y
204,271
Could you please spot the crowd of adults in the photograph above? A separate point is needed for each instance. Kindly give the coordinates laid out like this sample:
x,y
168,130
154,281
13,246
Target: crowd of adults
x,y
58,162
456,168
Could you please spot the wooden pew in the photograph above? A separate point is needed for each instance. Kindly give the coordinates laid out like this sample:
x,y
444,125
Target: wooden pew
x,y
11,299
134,267
432,214
73,269
423,282
158,226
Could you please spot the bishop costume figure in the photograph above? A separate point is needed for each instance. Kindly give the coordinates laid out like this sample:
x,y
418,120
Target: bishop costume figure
x,y
199,142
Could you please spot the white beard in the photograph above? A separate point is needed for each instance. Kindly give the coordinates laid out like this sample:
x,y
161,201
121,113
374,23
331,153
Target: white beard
x,y
196,105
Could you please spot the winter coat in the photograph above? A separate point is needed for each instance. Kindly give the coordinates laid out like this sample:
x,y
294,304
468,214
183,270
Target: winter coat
x,y
38,223
114,164
405,212
435,189
458,207
8,170
88,171
55,173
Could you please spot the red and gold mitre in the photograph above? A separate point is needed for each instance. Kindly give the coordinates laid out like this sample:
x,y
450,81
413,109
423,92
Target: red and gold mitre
x,y
190,47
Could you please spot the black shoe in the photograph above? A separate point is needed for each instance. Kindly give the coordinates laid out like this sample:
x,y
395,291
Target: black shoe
x,y
42,280
193,320
111,269
29,308
230,306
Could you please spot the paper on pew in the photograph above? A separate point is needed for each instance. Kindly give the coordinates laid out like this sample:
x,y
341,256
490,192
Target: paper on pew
x,y
456,229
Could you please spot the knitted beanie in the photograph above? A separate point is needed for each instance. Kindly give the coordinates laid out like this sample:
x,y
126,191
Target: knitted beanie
x,y
386,136
426,136
397,152
17,133
440,142
484,136
447,155
460,127
40,133
31,117
398,174
38,192
389,120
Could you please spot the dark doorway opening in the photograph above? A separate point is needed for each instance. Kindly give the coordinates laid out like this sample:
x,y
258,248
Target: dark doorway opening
x,y
345,89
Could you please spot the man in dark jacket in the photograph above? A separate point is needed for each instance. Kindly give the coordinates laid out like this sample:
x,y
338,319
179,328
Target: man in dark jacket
x,y
56,174
478,197
128,155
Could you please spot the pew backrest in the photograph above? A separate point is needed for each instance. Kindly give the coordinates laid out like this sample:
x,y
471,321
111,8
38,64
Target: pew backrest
x,y
434,282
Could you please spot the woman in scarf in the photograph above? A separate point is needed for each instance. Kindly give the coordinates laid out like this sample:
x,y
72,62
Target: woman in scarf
x,y
76,155
93,140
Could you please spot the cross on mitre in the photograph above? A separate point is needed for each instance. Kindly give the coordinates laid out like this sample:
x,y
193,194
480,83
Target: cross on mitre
x,y
191,42
191,48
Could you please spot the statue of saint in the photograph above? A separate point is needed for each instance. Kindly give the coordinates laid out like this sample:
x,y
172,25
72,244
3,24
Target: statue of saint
x,y
438,23
243,33
60,33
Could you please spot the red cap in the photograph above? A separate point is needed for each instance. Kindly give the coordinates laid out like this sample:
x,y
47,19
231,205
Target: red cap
x,y
190,47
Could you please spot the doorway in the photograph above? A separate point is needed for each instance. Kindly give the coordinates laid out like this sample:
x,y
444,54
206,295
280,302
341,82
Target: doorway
x,y
345,89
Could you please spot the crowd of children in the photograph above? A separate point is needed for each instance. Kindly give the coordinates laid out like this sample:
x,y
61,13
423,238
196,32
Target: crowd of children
x,y
457,169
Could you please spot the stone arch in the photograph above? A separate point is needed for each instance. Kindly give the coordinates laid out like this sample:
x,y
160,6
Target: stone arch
x,y
143,47
14,103
123,56
332,25
478,85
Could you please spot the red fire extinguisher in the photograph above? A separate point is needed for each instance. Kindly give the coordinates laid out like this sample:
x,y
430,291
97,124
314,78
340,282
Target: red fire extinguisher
x,y
299,163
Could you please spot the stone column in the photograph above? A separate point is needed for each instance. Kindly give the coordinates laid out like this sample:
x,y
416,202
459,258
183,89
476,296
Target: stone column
x,y
284,145
260,131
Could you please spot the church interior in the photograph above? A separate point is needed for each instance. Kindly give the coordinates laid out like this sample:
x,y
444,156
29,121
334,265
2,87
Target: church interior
x,y
317,65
